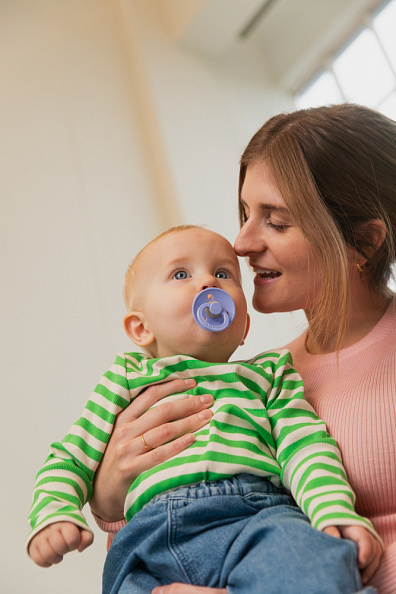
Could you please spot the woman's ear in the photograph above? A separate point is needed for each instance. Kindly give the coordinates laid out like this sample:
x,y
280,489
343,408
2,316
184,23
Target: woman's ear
x,y
374,232
137,330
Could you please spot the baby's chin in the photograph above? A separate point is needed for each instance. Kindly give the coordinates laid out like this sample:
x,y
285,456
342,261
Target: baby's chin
x,y
214,353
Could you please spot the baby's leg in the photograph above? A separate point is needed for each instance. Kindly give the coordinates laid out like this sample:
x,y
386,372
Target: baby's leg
x,y
242,534
279,551
138,554
184,536
140,581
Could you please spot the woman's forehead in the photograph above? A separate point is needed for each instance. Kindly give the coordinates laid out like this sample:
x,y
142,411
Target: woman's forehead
x,y
259,186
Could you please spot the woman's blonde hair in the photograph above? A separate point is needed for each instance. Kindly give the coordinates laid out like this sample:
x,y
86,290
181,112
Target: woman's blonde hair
x,y
335,168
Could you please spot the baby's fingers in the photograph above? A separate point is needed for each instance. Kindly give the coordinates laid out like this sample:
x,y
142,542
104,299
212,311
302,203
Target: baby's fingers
x,y
369,549
332,531
68,538
50,544
366,552
57,545
43,554
86,539
370,561
50,547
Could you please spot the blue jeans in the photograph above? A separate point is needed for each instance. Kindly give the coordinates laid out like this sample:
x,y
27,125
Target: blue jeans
x,y
242,534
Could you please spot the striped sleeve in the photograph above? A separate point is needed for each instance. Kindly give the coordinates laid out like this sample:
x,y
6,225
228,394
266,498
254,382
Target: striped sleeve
x,y
310,461
64,484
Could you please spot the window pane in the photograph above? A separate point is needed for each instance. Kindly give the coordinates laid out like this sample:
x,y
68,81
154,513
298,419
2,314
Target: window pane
x,y
388,107
323,91
363,72
392,282
385,27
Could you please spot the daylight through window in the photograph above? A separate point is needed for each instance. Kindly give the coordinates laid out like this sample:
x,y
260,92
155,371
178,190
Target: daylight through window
x,y
364,71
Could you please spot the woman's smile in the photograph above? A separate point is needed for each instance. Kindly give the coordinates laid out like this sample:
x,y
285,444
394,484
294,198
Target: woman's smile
x,y
265,274
279,254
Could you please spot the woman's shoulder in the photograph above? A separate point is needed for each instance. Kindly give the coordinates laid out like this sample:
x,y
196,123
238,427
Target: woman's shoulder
x,y
380,342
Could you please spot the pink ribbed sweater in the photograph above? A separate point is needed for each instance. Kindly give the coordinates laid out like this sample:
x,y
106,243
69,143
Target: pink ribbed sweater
x,y
357,400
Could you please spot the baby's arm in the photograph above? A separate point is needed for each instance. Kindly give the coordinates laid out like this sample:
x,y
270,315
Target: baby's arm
x,y
52,542
369,547
64,484
312,468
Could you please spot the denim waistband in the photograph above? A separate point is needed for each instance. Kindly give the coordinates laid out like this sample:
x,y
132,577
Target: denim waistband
x,y
240,484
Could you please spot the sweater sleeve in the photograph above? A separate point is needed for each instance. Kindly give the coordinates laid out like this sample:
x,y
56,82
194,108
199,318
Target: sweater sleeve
x,y
109,527
64,483
309,458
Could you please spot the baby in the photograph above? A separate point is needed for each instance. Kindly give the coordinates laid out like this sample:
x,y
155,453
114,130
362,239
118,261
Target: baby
x,y
229,492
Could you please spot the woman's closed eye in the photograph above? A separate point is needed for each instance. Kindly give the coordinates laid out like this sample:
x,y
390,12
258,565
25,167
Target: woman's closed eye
x,y
268,218
277,226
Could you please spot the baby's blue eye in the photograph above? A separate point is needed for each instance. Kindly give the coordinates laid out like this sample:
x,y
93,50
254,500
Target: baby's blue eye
x,y
180,275
221,274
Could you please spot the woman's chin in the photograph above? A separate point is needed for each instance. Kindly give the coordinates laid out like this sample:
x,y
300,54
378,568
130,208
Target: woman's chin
x,y
262,306
267,306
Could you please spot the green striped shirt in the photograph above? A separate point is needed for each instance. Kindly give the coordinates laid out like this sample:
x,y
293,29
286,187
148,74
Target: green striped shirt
x,y
261,425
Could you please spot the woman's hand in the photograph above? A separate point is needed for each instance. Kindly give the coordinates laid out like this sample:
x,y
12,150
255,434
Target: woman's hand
x,y
184,589
166,430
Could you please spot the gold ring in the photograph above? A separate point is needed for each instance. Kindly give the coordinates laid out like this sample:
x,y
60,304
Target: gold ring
x,y
146,447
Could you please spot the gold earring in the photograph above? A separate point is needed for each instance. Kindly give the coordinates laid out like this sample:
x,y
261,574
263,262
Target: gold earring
x,y
360,268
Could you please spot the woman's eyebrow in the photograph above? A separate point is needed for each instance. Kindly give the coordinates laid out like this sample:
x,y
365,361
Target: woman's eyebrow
x,y
275,207
269,206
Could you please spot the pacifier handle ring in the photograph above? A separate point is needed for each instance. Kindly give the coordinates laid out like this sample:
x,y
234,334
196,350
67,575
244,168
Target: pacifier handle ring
x,y
213,309
224,313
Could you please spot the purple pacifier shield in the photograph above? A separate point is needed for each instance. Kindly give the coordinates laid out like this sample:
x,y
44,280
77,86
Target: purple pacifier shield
x,y
213,309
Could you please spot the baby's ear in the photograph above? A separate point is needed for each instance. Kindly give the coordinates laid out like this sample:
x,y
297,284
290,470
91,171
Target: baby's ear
x,y
246,329
137,330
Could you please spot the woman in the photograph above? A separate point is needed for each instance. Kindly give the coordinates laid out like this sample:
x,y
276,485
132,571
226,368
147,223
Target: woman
x,y
318,225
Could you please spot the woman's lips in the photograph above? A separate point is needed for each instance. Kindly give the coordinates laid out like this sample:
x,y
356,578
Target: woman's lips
x,y
266,275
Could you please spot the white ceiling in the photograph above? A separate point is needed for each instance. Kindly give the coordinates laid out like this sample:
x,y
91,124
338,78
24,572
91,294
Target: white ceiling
x,y
294,36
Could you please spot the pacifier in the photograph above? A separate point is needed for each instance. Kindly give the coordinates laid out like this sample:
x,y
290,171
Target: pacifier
x,y
213,309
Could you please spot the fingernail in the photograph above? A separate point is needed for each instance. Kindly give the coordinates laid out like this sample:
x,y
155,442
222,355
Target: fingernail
x,y
190,383
206,399
205,414
188,439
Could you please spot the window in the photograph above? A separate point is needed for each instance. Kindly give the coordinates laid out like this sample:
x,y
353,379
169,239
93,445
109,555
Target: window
x,y
364,71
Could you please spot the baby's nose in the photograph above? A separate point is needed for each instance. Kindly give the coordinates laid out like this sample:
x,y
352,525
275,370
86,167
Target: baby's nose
x,y
207,281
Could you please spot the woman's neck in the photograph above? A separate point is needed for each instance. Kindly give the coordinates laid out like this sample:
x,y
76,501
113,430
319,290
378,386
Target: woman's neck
x,y
365,313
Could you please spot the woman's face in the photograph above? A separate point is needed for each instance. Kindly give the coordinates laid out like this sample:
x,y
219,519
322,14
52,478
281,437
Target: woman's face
x,y
287,271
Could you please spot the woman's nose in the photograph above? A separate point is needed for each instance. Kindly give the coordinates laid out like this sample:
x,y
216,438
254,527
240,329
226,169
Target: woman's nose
x,y
249,240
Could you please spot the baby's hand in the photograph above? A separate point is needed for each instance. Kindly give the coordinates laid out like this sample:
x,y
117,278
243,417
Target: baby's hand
x,y
50,544
370,550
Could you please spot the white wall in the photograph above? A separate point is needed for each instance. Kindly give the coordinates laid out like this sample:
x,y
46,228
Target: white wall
x,y
104,120
208,106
